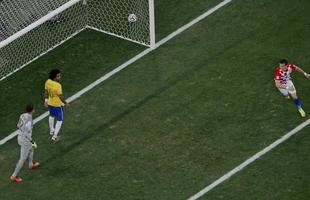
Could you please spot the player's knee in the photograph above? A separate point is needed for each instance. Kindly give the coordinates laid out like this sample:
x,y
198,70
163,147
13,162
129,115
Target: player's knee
x,y
294,96
21,161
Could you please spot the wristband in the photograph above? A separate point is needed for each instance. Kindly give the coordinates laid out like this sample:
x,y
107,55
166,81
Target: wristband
x,y
305,74
46,100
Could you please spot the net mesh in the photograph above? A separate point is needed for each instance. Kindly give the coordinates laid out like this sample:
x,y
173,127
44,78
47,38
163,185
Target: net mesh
x,y
41,39
17,14
109,16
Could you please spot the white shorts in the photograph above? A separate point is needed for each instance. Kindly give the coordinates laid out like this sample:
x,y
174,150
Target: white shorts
x,y
285,92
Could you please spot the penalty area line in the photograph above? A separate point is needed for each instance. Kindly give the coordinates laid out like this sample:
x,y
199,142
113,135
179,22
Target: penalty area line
x,y
127,63
249,160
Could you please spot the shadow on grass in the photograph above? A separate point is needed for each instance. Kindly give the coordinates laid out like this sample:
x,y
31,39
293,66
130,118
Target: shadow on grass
x,y
185,75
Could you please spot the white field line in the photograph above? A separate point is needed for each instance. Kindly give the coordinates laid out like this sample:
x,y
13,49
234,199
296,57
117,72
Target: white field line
x,y
106,32
250,160
126,64
191,23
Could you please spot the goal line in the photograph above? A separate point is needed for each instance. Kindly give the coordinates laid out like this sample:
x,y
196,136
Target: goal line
x,y
127,63
28,30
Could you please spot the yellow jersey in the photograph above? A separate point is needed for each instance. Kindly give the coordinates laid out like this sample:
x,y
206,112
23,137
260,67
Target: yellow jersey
x,y
54,91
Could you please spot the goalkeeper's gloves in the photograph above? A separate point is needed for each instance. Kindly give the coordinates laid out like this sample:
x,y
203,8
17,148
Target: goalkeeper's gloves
x,y
34,144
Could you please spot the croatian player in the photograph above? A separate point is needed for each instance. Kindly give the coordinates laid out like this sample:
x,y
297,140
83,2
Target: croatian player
x,y
54,100
283,82
25,125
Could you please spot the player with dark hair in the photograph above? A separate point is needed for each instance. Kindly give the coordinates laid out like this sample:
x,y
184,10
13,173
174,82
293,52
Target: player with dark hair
x,y
54,100
25,125
283,81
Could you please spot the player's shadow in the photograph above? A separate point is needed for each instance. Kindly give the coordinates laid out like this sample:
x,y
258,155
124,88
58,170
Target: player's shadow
x,y
185,75
120,116
139,104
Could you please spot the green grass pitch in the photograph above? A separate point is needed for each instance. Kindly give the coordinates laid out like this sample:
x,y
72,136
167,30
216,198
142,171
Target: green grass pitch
x,y
177,119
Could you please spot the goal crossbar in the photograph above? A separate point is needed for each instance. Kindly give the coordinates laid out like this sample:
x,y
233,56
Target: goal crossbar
x,y
38,22
28,30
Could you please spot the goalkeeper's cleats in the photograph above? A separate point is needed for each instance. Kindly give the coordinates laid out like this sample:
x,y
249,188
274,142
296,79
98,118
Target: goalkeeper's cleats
x,y
16,179
34,165
302,112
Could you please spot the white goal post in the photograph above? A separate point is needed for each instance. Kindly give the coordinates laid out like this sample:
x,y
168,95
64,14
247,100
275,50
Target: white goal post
x,y
30,29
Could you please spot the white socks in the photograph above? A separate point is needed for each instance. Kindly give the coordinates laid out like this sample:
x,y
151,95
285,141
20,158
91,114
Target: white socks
x,y
57,128
54,131
51,123
18,167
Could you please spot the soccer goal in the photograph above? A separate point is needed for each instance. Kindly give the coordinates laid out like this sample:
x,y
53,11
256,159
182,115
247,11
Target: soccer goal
x,y
30,29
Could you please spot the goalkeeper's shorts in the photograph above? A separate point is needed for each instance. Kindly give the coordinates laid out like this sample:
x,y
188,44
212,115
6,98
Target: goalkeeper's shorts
x,y
56,112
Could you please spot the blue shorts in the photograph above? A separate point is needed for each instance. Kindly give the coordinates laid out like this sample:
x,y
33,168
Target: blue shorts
x,y
57,112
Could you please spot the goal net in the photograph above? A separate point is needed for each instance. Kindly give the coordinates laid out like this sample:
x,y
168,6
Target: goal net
x,y
30,29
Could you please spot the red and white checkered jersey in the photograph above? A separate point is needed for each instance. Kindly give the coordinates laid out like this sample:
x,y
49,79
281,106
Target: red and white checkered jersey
x,y
284,75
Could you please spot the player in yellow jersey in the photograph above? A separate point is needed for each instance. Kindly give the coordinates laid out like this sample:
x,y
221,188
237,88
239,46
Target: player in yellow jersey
x,y
54,101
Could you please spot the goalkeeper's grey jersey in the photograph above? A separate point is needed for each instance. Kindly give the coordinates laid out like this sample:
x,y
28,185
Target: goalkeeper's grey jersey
x,y
25,125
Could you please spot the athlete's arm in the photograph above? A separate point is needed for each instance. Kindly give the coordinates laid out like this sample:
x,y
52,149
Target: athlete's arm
x,y
61,97
46,98
303,72
63,100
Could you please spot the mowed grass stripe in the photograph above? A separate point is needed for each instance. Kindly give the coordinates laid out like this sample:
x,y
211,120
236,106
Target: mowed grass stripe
x,y
250,160
282,174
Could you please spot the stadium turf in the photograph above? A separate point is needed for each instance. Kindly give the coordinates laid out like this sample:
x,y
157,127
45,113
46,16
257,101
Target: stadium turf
x,y
282,174
176,120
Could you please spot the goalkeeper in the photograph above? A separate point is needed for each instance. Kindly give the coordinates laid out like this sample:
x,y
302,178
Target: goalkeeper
x,y
27,146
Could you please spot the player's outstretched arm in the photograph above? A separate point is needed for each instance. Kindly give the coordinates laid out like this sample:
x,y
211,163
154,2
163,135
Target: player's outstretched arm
x,y
303,72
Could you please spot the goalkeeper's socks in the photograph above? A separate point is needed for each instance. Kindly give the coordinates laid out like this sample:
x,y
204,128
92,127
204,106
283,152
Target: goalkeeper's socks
x,y
297,103
18,167
30,158
57,128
